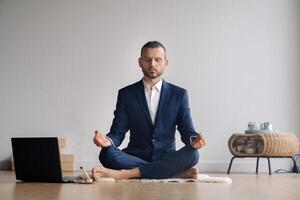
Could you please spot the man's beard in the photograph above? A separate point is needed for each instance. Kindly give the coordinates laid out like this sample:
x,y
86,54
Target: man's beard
x,y
152,76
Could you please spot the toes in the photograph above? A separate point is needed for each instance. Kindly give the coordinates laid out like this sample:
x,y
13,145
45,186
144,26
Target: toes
x,y
194,171
96,169
97,175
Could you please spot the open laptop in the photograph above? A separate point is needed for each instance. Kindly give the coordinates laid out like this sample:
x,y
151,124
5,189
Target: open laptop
x,y
38,160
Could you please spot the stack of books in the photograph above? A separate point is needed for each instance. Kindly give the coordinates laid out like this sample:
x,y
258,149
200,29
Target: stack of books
x,y
66,160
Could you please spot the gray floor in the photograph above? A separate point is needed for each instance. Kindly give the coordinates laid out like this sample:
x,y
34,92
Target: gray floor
x,y
243,187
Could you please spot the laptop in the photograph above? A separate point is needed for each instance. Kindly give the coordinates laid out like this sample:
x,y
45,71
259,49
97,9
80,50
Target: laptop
x,y
37,160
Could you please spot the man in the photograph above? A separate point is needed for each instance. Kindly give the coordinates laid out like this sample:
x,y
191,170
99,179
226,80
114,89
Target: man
x,y
150,109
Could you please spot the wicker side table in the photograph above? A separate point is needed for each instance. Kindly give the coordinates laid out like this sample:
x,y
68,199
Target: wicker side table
x,y
267,145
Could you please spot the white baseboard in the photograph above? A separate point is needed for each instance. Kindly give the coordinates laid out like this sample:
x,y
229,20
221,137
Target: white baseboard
x,y
238,165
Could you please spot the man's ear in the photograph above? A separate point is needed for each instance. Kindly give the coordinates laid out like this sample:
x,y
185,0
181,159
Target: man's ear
x,y
166,62
140,61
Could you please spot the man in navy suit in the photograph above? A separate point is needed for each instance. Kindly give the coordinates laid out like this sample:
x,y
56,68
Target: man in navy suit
x,y
151,109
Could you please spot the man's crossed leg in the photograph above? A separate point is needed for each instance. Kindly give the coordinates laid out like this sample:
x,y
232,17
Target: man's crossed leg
x,y
120,165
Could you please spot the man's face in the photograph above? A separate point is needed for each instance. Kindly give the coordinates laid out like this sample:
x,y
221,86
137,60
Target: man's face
x,y
153,62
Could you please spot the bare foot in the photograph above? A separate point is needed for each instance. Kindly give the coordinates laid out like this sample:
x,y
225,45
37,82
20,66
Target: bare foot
x,y
97,173
189,173
103,172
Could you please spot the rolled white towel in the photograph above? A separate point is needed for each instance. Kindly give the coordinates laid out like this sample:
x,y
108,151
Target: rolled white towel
x,y
210,179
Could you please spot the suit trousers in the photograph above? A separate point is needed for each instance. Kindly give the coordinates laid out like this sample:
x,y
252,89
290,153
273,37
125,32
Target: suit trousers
x,y
171,164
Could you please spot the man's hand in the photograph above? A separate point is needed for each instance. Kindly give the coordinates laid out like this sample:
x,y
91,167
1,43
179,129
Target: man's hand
x,y
100,140
198,141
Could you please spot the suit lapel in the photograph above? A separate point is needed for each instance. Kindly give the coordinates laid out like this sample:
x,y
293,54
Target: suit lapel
x,y
164,96
142,101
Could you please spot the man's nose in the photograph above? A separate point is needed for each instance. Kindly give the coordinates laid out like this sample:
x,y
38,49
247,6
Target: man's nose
x,y
152,63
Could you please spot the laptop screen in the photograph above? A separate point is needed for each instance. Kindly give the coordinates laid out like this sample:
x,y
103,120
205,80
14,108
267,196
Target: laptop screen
x,y
37,159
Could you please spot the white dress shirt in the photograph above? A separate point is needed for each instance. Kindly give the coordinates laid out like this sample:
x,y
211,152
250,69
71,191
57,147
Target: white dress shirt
x,y
152,97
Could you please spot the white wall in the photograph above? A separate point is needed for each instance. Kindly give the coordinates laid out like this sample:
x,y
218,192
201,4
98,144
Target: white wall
x,y
62,62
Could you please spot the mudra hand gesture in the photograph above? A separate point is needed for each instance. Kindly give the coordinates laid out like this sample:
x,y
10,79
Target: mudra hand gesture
x,y
198,141
100,140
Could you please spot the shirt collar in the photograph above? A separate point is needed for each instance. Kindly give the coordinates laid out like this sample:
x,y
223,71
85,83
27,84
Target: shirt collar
x,y
157,86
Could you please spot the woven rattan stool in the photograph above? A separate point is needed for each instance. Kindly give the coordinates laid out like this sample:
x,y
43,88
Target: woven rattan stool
x,y
267,145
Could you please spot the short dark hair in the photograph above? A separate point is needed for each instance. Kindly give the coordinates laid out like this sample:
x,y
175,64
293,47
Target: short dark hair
x,y
153,44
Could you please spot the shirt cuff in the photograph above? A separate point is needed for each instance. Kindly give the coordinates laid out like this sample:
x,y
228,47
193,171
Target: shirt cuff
x,y
192,137
112,143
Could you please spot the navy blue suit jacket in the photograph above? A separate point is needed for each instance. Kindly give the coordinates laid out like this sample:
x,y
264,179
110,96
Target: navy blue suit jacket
x,y
148,141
